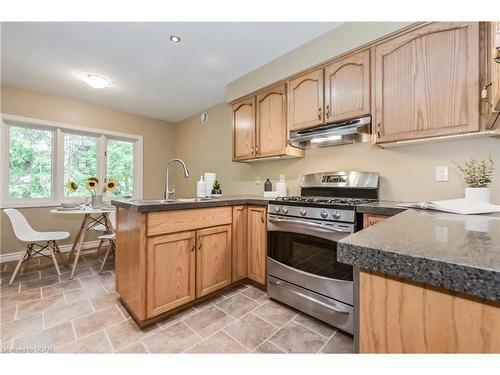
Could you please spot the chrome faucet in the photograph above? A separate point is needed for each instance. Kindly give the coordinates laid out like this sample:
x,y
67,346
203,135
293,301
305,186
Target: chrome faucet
x,y
169,191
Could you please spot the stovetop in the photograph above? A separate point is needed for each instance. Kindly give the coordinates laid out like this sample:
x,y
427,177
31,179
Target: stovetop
x,y
323,201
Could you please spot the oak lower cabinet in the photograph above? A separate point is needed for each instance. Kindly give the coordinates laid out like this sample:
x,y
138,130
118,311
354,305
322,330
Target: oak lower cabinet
x,y
168,259
239,250
426,82
257,244
371,219
401,316
171,272
213,259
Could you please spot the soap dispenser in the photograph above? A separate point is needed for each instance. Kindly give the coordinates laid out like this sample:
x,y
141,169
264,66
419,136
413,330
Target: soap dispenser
x,y
201,188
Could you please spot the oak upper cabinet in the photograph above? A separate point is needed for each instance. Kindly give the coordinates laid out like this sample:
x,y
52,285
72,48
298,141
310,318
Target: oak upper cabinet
x,y
213,259
271,122
305,100
493,90
347,87
244,129
257,244
170,278
239,250
426,82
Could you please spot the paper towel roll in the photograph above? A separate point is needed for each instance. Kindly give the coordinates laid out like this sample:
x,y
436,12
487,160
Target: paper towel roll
x,y
281,189
210,177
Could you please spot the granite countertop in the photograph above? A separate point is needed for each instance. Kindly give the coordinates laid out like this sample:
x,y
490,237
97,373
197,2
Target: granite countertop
x,y
386,208
456,252
154,205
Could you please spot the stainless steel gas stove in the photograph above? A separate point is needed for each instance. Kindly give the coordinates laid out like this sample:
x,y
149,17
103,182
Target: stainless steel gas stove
x,y
303,231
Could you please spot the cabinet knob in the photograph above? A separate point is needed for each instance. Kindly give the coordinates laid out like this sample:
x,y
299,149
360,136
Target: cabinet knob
x,y
327,111
193,243
200,244
484,94
262,217
319,113
379,125
497,56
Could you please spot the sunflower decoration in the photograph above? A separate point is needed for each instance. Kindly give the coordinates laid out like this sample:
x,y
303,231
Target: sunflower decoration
x,y
71,186
91,184
110,185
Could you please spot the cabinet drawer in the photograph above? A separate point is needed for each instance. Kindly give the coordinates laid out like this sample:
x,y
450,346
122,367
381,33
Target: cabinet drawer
x,y
183,220
369,220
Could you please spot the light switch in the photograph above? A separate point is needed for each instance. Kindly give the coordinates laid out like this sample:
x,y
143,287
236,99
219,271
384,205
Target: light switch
x,y
441,234
442,173
257,180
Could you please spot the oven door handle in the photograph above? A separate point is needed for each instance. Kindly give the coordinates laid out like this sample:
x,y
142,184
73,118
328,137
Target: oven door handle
x,y
302,295
310,224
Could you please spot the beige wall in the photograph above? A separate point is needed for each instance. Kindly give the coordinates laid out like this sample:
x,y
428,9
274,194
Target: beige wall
x,y
158,147
337,41
407,172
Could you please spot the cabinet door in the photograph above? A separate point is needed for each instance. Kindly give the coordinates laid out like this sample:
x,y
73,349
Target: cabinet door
x,y
244,129
213,259
369,220
347,87
305,100
257,244
426,82
239,243
170,272
494,64
271,122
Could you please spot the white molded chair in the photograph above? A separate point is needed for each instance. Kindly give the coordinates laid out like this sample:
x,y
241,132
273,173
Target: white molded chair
x,y
25,233
106,237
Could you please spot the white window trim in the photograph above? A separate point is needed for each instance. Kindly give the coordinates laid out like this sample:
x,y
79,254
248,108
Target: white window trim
x,y
59,129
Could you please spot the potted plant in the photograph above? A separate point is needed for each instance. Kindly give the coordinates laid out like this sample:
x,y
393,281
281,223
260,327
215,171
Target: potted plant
x,y
477,175
216,190
91,184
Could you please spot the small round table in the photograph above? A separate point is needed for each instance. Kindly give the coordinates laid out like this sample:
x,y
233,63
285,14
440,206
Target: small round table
x,y
88,222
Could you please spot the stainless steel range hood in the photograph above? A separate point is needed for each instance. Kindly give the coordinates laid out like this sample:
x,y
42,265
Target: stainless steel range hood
x,y
340,133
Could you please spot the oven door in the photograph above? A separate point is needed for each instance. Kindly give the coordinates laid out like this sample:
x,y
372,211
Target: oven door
x,y
304,253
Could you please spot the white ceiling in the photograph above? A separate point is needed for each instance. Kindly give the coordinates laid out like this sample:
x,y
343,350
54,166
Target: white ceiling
x,y
151,76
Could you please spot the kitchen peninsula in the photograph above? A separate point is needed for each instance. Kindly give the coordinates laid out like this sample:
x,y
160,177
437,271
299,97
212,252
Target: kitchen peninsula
x,y
172,254
429,282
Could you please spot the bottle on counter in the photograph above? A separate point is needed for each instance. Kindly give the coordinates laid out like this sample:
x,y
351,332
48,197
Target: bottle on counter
x,y
268,186
281,187
201,188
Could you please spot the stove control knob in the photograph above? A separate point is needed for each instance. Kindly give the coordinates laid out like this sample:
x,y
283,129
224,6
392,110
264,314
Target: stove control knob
x,y
285,210
324,214
277,208
336,215
303,212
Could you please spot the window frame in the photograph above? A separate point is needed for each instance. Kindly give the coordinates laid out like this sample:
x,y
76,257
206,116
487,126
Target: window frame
x,y
59,130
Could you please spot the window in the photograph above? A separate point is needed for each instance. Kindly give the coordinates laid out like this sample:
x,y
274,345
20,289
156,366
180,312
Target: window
x,y
30,163
80,162
39,157
120,166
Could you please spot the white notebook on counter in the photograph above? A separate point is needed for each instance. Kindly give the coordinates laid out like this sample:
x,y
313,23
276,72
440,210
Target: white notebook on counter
x,y
461,206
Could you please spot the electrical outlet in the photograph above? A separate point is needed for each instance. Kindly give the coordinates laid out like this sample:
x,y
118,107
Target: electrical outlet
x,y
441,234
442,173
257,180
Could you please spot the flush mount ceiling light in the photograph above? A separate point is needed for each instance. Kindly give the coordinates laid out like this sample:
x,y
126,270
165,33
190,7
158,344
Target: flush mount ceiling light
x,y
95,80
175,39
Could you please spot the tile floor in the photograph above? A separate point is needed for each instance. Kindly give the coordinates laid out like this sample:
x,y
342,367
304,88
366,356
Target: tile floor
x,y
45,313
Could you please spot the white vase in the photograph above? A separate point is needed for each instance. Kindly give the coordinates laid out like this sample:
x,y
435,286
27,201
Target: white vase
x,y
479,194
97,201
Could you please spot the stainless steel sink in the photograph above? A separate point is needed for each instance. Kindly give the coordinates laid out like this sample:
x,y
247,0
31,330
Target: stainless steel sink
x,y
167,201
